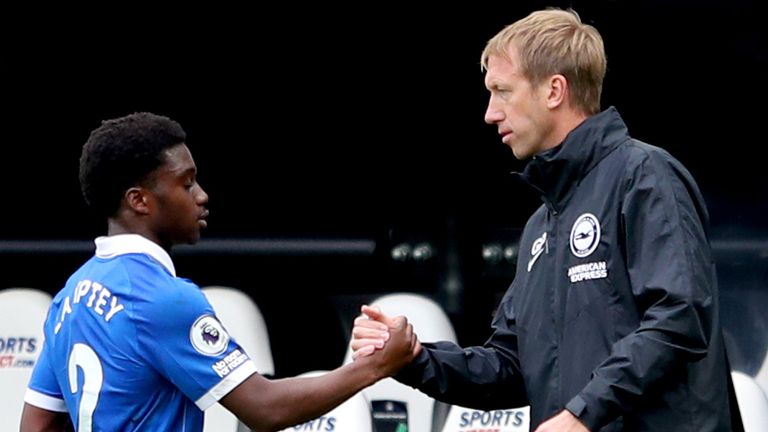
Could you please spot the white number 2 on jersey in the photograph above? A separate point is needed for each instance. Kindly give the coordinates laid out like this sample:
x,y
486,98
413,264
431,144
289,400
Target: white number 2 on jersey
x,y
84,357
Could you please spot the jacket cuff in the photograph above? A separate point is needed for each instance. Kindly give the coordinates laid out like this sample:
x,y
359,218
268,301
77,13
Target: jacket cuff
x,y
591,416
413,373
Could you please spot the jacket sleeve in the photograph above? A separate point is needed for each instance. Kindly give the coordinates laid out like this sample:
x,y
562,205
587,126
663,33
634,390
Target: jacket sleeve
x,y
671,273
486,377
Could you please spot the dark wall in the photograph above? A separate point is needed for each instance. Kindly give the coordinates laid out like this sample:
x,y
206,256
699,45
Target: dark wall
x,y
326,122
335,123
359,123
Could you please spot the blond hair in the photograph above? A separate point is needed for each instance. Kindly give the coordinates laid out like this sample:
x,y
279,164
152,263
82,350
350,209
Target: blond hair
x,y
555,41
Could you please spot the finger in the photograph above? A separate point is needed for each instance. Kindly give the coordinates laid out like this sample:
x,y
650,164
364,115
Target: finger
x,y
417,347
369,323
399,322
363,352
357,344
413,339
375,313
369,309
367,333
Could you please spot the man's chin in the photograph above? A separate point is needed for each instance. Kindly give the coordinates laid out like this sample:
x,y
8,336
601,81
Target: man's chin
x,y
192,239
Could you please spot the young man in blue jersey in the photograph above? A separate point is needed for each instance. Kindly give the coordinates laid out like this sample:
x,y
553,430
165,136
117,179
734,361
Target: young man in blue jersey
x,y
129,346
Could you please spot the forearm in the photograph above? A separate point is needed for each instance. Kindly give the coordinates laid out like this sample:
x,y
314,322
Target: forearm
x,y
266,405
277,404
639,364
478,377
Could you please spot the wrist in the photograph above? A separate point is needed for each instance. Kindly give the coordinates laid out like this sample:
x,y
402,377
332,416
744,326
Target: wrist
x,y
369,370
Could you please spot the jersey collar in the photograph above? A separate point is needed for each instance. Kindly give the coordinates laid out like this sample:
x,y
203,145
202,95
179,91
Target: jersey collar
x,y
122,244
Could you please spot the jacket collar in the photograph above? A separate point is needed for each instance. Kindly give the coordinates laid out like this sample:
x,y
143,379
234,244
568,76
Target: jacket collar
x,y
122,244
555,173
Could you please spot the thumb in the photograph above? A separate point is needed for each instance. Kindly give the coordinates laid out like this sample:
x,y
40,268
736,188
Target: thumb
x,y
376,314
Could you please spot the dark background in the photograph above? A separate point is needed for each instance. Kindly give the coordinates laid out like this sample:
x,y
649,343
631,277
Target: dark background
x,y
363,123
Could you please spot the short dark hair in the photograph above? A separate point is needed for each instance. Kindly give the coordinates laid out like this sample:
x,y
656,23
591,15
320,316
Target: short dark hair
x,y
121,153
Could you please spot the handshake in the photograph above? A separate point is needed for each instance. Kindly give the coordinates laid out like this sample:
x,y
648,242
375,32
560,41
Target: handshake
x,y
388,342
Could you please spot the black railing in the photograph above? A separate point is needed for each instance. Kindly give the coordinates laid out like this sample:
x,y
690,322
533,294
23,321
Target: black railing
x,y
240,246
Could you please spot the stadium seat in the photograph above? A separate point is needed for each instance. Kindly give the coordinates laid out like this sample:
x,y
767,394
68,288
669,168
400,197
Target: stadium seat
x,y
243,320
753,402
354,415
23,312
762,376
390,400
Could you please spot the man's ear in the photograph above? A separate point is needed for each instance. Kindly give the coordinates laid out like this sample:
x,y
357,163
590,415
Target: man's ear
x,y
137,199
557,91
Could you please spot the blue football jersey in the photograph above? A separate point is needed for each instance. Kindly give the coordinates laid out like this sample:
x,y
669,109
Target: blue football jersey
x,y
131,347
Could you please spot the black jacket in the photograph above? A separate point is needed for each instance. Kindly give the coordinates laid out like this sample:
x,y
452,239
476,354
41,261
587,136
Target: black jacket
x,y
613,313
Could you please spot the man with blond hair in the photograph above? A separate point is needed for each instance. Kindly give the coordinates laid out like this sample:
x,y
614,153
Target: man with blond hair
x,y
611,322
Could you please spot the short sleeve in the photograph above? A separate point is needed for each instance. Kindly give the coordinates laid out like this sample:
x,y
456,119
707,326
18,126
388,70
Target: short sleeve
x,y
43,390
181,336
